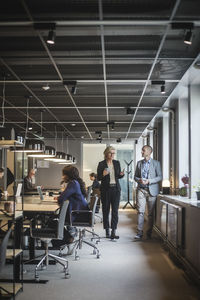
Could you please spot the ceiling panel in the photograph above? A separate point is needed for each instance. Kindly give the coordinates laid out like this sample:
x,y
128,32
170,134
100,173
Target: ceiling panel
x,y
100,65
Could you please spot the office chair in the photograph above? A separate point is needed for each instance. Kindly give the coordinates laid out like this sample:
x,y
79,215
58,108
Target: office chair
x,y
3,248
84,218
89,191
96,192
46,235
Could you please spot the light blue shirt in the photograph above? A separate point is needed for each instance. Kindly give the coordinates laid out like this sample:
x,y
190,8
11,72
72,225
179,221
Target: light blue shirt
x,y
145,171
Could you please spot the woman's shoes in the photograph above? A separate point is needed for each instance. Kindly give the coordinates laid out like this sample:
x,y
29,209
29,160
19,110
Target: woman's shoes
x,y
114,236
107,233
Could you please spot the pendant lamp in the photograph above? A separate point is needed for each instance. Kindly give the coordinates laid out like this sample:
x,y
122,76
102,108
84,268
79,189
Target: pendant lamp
x,y
30,146
48,152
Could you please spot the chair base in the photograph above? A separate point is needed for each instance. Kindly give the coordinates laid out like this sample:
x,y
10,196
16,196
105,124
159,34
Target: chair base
x,y
58,259
78,244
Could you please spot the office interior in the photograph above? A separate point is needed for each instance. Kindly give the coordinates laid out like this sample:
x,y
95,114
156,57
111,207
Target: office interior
x,y
76,77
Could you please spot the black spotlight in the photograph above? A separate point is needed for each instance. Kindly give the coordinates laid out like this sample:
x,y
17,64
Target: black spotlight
x,y
119,140
188,37
74,88
130,111
51,37
111,124
162,89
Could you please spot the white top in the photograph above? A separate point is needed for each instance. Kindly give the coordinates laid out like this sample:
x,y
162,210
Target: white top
x,y
112,173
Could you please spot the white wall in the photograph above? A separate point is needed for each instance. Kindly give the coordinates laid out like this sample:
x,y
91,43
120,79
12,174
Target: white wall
x,y
195,136
165,162
92,155
183,143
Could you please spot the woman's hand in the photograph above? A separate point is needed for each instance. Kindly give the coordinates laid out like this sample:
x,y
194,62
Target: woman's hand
x,y
105,172
122,172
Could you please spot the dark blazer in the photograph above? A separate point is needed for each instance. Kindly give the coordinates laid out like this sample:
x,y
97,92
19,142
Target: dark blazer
x,y
105,180
28,186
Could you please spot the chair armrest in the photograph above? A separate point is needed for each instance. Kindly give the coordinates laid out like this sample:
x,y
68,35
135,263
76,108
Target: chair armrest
x,y
81,211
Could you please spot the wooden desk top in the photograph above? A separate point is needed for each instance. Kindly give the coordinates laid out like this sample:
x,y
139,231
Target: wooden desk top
x,y
33,203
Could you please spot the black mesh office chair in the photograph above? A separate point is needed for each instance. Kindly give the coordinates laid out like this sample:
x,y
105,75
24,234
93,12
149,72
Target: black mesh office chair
x,y
85,219
96,192
89,191
46,235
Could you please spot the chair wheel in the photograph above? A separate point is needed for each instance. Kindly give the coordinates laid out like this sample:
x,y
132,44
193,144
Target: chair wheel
x,y
77,257
98,256
37,279
67,276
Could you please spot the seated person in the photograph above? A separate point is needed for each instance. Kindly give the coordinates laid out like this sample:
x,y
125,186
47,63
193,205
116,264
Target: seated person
x,y
95,188
28,181
95,184
75,192
10,178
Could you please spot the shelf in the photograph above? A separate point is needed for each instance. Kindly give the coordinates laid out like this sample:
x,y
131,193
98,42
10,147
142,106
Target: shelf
x,y
9,287
9,143
9,253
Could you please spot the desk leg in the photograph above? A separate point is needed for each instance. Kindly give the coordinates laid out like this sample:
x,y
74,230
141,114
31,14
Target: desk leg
x,y
31,248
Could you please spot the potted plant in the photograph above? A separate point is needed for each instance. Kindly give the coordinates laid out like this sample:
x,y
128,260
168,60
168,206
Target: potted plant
x,y
197,188
183,191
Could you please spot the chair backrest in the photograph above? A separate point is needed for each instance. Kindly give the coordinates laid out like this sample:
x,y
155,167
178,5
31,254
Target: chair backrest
x,y
93,205
61,220
3,248
97,192
89,191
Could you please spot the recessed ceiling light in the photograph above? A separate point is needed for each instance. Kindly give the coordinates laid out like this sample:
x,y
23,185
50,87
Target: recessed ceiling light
x,y
82,137
73,124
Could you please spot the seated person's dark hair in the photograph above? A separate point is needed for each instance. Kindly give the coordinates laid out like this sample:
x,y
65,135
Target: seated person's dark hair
x,y
72,173
93,175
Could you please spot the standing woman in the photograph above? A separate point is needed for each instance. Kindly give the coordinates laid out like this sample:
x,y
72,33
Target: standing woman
x,y
109,172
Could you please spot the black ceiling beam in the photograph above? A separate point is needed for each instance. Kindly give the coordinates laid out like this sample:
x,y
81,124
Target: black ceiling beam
x,y
182,25
157,82
44,26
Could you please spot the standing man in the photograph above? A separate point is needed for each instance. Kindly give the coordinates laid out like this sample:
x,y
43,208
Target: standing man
x,y
148,174
109,172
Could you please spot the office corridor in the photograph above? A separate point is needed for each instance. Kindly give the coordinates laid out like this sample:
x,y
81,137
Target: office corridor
x,y
127,270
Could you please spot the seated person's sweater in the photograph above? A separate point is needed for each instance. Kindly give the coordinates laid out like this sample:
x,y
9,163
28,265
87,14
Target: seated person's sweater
x,y
76,199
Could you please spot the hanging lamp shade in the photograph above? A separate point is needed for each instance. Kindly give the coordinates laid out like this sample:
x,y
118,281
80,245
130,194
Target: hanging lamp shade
x,y
69,160
31,146
59,157
48,152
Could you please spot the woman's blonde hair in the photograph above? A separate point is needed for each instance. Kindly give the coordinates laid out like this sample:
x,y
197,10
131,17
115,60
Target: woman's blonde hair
x,y
107,150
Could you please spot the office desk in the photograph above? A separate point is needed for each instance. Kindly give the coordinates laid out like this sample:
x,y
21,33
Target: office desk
x,y
17,220
34,206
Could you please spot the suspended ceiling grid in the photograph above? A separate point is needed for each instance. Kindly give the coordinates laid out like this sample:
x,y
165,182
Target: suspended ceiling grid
x,y
112,50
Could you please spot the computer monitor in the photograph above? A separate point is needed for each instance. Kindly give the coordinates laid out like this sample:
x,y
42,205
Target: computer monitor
x,y
40,192
19,189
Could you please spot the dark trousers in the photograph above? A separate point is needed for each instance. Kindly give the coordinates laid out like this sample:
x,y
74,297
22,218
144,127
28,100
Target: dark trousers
x,y
110,198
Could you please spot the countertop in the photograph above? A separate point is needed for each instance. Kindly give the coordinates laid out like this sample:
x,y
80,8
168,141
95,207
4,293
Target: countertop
x,y
184,201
